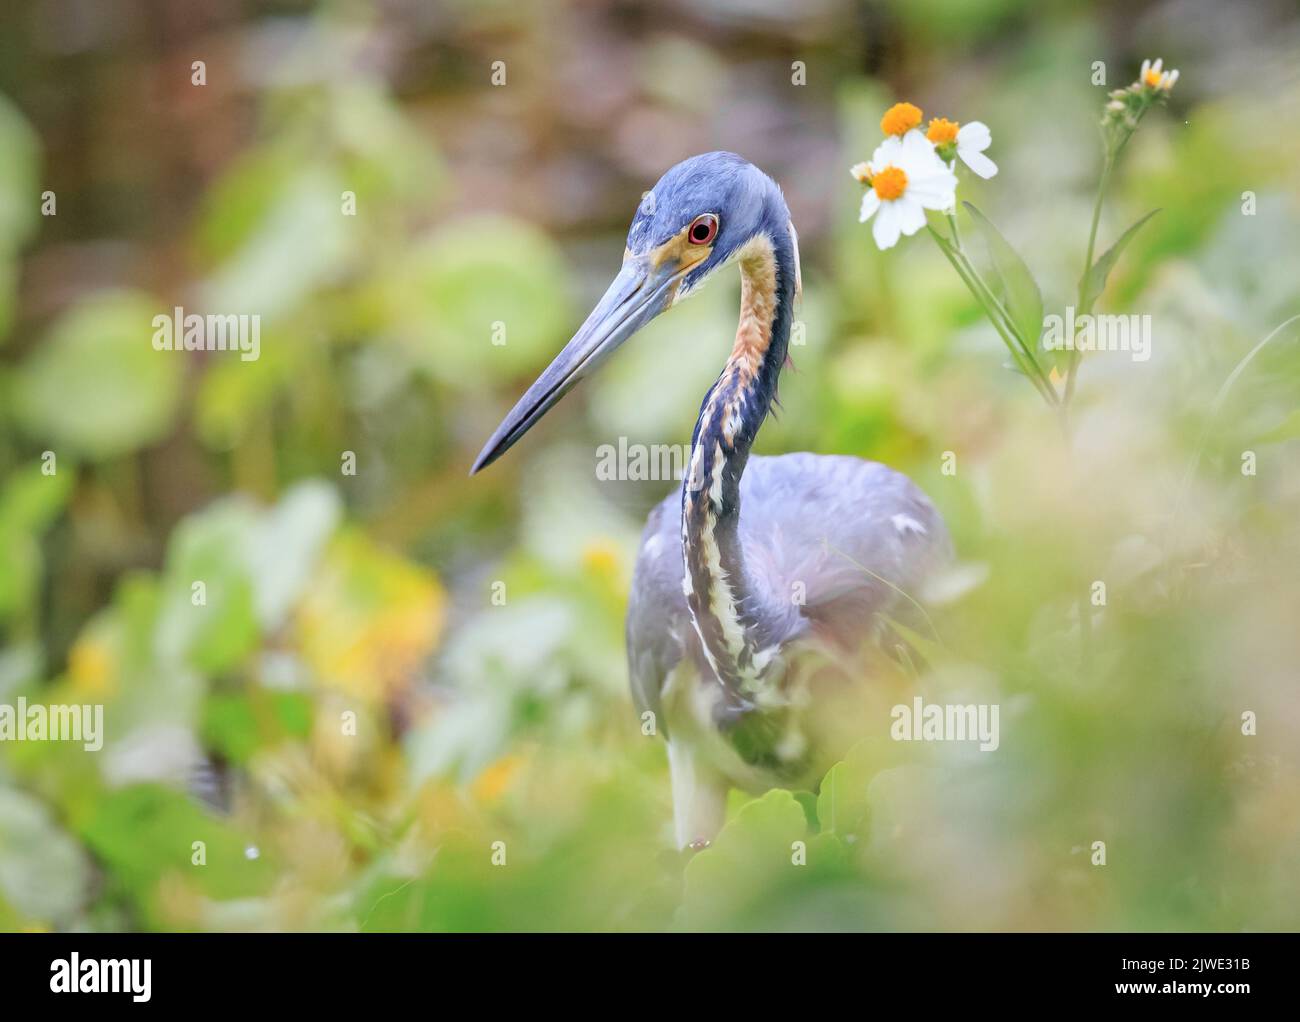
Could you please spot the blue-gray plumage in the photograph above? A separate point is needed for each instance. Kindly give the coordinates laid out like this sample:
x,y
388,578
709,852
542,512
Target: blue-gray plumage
x,y
723,605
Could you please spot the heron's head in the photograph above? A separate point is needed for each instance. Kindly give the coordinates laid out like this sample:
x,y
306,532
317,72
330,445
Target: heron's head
x,y
702,214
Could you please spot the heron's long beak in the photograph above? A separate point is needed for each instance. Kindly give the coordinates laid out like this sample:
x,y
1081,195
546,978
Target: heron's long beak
x,y
638,294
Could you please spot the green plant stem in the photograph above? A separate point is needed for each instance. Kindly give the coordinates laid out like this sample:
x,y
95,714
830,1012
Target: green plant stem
x,y
997,315
1072,373
1001,310
1072,376
974,289
1085,307
956,232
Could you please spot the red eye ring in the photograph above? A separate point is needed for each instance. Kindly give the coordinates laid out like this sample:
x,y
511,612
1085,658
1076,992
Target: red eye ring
x,y
703,229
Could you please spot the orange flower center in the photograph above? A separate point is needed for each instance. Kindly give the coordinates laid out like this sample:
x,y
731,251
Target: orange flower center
x,y
1152,78
942,130
900,118
890,183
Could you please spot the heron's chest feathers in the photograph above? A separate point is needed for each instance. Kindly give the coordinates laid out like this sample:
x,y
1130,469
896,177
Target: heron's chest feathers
x,y
755,747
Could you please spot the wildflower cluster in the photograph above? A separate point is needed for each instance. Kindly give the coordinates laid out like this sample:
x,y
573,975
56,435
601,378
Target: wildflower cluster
x,y
911,171
1127,106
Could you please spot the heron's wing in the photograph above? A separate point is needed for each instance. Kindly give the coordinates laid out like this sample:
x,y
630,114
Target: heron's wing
x,y
840,538
657,614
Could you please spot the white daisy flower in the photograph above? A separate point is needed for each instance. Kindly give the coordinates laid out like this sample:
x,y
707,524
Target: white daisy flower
x,y
906,178
967,142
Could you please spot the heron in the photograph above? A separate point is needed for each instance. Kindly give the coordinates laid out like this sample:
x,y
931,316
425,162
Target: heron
x,y
724,607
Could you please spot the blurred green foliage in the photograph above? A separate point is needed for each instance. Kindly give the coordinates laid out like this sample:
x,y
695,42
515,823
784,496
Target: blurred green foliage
x,y
350,724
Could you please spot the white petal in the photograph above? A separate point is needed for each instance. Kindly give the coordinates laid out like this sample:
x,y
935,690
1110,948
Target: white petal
x,y
886,153
978,162
933,175
974,136
936,190
916,146
870,203
886,228
911,217
922,165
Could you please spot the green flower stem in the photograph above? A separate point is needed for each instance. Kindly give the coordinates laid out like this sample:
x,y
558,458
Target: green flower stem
x,y
1072,373
957,264
1001,309
997,315
1085,307
956,232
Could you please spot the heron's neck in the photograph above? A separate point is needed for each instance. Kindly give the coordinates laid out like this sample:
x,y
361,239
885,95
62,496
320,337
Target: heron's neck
x,y
728,609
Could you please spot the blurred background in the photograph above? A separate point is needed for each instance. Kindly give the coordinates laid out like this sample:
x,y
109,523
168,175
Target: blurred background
x,y
394,667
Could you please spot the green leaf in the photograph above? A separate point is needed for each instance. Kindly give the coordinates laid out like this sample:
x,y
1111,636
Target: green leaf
x,y
842,802
238,724
235,396
445,295
1019,291
842,805
145,833
20,197
300,243
751,854
29,501
44,874
1094,282
254,565
215,632
96,386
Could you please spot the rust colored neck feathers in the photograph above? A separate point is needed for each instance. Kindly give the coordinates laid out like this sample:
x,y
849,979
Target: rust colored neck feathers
x,y
721,600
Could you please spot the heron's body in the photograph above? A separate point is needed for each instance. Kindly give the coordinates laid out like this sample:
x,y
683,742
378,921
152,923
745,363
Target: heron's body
x,y
832,546
728,611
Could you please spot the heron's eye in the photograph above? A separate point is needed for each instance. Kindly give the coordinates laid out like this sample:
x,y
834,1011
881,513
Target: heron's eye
x,y
704,228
